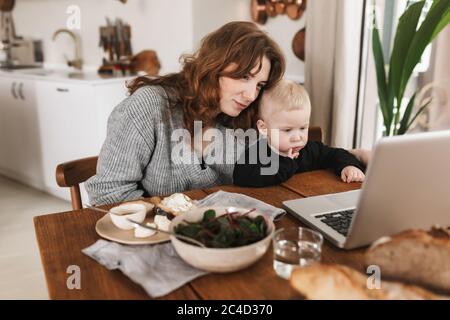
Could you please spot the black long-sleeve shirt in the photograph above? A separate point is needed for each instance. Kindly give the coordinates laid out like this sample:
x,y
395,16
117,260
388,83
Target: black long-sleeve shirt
x,y
314,156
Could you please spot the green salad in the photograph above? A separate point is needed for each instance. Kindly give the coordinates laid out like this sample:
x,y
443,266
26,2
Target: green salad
x,y
232,229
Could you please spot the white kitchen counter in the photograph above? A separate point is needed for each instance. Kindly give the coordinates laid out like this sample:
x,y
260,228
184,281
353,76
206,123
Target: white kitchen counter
x,y
61,75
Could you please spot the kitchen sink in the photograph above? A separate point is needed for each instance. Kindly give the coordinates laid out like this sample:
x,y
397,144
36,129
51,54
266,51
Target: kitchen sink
x,y
12,67
59,73
63,74
37,72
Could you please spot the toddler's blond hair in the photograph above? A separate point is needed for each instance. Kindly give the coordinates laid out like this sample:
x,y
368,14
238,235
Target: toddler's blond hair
x,y
285,96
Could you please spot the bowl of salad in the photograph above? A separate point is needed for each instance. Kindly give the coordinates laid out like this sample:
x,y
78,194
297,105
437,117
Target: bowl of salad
x,y
233,238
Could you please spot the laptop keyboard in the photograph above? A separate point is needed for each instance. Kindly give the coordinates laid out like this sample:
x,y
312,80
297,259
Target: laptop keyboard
x,y
338,221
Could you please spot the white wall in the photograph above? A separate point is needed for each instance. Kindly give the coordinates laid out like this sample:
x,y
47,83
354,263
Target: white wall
x,y
165,26
169,27
211,14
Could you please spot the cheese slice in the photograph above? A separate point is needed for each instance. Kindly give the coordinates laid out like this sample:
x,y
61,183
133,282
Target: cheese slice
x,y
162,222
141,232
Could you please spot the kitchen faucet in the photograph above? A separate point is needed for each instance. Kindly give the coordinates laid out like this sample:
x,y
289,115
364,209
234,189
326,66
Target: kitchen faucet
x,y
77,63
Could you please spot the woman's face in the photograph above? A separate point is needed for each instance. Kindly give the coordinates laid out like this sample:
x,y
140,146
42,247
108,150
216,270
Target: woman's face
x,y
238,94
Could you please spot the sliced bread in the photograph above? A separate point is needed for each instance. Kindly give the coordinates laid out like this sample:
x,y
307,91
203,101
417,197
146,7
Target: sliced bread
x,y
414,256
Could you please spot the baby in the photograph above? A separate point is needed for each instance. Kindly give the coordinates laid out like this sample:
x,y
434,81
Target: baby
x,y
283,122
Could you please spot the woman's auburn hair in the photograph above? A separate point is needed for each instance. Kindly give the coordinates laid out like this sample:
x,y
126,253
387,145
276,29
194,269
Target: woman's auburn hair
x,y
196,87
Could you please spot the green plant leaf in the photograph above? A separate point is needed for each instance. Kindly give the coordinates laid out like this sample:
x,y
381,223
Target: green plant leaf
x,y
405,33
444,22
190,230
381,74
253,228
209,215
422,38
226,231
406,29
417,114
406,115
245,224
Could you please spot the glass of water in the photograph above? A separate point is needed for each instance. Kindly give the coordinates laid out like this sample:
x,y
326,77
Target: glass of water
x,y
295,247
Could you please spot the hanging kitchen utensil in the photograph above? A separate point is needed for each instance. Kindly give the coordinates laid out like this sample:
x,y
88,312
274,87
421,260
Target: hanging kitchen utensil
x,y
298,44
280,7
270,8
6,5
7,28
258,9
295,10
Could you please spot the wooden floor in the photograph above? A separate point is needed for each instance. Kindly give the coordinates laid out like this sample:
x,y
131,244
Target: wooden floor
x,y
21,273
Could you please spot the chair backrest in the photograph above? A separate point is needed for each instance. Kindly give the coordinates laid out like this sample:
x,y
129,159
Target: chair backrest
x,y
315,134
71,174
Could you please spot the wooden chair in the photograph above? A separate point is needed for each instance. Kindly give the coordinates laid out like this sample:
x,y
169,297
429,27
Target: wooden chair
x,y
71,174
315,134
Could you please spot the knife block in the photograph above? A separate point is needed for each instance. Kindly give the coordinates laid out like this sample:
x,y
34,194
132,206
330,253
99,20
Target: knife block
x,y
116,44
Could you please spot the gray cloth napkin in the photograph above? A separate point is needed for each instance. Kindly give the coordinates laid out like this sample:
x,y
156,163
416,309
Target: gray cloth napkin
x,y
158,268
231,199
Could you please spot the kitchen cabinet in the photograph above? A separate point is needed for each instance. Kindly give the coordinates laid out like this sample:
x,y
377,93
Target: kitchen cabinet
x,y
44,123
67,126
19,138
7,102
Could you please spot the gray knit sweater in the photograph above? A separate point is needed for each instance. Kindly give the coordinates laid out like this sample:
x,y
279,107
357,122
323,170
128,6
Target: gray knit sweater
x,y
135,159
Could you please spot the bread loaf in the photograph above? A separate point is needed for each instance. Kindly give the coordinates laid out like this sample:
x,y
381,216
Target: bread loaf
x,y
338,282
414,256
176,204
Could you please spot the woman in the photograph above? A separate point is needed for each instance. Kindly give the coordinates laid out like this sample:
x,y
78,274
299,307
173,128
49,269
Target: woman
x,y
218,85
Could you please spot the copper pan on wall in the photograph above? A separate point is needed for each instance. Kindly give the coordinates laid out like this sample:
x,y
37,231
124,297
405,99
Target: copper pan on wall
x,y
6,5
263,9
298,44
280,7
295,9
270,8
258,10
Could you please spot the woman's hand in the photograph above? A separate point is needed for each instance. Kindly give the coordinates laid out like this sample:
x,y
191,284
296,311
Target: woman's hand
x,y
352,174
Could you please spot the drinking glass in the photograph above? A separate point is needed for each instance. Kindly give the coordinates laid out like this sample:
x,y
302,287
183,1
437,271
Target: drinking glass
x,y
295,247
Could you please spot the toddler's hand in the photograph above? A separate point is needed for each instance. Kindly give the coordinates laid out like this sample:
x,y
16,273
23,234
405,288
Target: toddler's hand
x,y
289,154
352,174
293,155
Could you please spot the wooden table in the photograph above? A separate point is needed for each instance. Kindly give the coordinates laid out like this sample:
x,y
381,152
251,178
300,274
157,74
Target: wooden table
x,y
61,237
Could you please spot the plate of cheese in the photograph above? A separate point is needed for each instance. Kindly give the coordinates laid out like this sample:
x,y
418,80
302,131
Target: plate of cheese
x,y
157,213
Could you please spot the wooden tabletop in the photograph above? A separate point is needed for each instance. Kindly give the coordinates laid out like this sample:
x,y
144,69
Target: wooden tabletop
x,y
62,236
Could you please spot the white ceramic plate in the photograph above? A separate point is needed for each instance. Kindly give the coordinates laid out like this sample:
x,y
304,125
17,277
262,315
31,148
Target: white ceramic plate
x,y
106,229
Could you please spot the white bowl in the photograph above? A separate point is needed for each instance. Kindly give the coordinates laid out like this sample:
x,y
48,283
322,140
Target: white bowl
x,y
220,259
134,211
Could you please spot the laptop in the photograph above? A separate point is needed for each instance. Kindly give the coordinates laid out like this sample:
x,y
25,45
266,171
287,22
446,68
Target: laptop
x,y
407,185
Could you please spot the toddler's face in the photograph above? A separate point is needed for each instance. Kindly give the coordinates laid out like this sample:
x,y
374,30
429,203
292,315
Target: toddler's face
x,y
286,130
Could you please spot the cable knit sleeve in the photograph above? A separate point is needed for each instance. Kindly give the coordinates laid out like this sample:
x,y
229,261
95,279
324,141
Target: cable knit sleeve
x,y
126,151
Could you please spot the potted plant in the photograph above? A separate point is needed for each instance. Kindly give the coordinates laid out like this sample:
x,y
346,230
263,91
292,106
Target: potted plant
x,y
410,41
